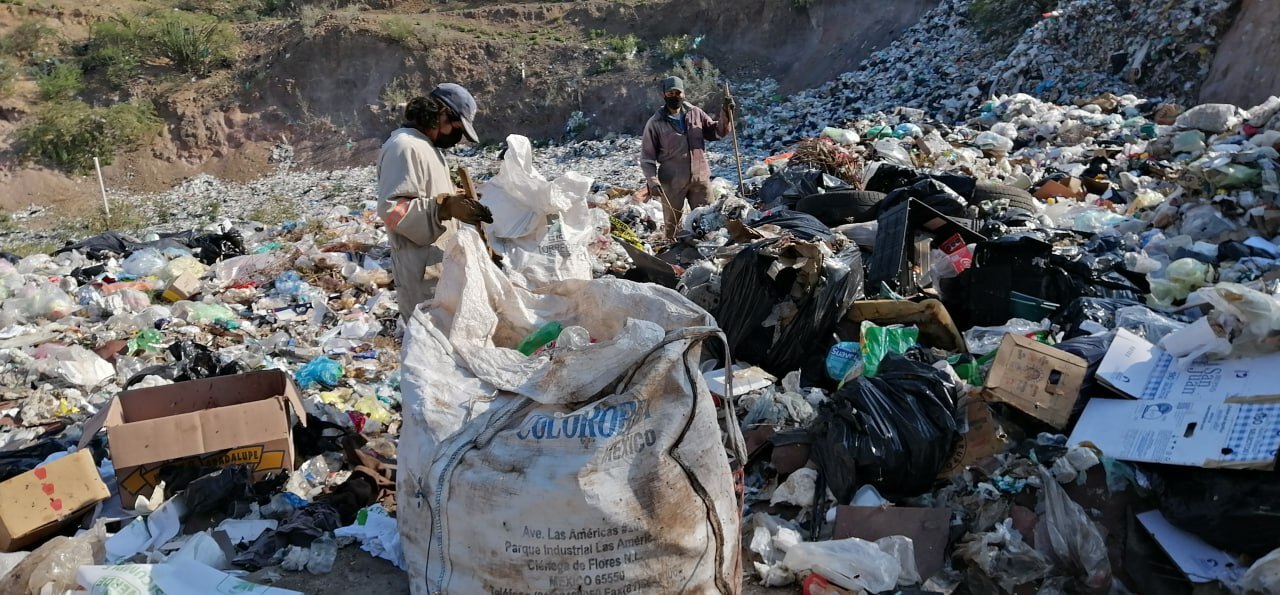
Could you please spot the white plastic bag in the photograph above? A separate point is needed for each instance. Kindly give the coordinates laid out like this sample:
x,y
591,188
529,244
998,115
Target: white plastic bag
x,y
582,468
542,228
851,563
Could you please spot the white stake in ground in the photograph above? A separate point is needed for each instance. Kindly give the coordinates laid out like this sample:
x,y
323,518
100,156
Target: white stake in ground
x,y
106,208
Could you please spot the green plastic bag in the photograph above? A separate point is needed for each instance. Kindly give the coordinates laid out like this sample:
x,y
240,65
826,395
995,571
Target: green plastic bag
x,y
877,341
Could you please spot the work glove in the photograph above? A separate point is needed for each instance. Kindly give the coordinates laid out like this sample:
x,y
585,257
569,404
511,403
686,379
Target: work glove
x,y
464,209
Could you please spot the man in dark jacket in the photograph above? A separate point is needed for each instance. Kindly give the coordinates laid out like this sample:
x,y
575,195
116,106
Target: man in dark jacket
x,y
673,152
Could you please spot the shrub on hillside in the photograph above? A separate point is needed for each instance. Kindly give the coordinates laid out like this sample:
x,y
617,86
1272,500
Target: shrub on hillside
x,y
194,43
398,29
625,46
8,76
31,39
60,82
674,46
68,134
701,79
116,48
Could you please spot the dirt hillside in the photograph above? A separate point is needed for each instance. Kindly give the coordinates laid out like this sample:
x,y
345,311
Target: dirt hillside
x,y
328,78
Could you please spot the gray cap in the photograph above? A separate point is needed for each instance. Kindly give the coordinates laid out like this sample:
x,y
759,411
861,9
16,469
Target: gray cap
x,y
458,99
673,82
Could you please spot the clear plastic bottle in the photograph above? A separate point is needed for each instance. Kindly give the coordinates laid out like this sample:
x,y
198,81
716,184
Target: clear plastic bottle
x,y
323,553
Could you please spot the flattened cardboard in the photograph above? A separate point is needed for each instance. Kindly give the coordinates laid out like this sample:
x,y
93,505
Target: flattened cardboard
x,y
1199,561
984,439
1194,434
38,503
1037,379
927,527
216,422
1136,368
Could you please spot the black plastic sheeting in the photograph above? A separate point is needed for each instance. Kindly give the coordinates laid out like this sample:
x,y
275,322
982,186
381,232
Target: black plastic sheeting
x,y
889,177
895,431
801,225
208,248
1237,511
786,187
194,362
750,295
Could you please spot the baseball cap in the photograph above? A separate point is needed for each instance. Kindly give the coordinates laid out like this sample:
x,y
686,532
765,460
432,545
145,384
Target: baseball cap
x,y
458,99
673,82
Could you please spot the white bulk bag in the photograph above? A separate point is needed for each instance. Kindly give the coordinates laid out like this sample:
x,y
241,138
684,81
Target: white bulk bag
x,y
596,469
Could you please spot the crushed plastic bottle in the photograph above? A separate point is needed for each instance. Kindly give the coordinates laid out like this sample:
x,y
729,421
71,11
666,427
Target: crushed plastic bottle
x,y
323,553
147,339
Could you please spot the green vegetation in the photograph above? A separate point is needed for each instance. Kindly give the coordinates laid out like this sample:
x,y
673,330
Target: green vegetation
x,y
60,83
8,76
238,10
1007,19
625,46
397,91
194,43
30,40
701,79
398,29
69,134
674,46
116,49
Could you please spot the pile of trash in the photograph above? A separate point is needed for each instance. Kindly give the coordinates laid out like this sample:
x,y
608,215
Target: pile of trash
x,y
988,345
943,66
1052,370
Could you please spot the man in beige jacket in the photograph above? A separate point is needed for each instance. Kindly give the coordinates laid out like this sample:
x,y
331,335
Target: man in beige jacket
x,y
416,196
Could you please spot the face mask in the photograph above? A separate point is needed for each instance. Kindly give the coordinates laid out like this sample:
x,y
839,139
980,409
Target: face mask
x,y
445,141
674,102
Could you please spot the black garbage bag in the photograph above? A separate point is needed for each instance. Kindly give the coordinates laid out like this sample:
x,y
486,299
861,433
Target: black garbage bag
x,y
194,362
895,431
304,526
214,247
114,243
1091,349
979,296
889,177
787,186
802,225
1237,511
808,316
211,492
1084,315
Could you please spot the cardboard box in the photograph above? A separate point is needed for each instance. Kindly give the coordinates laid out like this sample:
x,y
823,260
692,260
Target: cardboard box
x,y
38,503
1039,380
184,287
984,439
928,529
217,422
1136,368
1194,434
1074,189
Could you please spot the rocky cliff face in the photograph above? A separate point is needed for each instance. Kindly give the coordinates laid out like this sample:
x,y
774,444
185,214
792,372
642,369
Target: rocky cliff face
x,y
1246,69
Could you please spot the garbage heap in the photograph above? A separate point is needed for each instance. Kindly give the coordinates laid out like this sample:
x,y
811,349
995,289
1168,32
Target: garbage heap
x,y
1030,352
951,61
